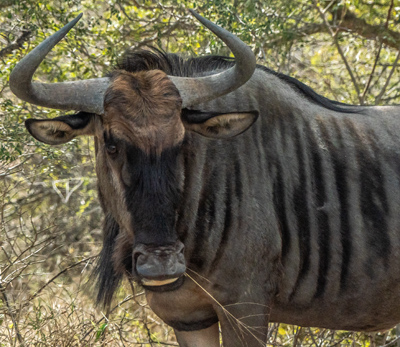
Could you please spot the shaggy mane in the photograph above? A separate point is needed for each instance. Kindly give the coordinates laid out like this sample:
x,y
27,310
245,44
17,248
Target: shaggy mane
x,y
175,65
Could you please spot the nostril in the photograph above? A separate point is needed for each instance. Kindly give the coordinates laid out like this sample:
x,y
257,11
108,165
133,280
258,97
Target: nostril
x,y
135,256
180,247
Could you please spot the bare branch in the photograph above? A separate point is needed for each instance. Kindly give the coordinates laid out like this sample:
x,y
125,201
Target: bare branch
x,y
336,42
59,274
373,32
17,44
11,313
391,343
124,12
349,23
7,3
377,56
395,64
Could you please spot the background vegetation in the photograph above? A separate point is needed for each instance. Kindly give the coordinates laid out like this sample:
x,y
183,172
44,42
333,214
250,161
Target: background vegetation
x,y
50,220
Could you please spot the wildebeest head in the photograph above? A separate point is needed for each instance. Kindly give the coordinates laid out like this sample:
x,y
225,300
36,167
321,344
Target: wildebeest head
x,y
136,120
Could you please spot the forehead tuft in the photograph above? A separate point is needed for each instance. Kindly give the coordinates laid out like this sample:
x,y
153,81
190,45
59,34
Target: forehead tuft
x,y
144,108
141,90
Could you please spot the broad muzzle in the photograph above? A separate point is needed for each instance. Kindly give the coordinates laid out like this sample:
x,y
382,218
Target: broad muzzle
x,y
159,265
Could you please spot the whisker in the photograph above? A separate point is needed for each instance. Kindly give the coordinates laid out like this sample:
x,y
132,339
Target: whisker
x,y
229,315
248,303
196,273
236,327
252,315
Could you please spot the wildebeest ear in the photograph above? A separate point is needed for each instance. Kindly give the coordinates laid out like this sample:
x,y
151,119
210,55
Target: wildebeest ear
x,y
216,125
61,129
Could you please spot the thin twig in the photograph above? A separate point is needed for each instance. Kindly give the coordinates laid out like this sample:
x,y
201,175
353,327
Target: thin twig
x,y
12,315
17,44
377,56
379,97
391,343
296,336
124,12
59,274
128,298
336,42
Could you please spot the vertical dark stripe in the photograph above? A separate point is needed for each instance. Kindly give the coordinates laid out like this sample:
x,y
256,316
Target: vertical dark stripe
x,y
182,228
205,219
279,196
320,200
340,172
373,201
255,153
300,201
238,180
196,260
190,170
280,210
227,223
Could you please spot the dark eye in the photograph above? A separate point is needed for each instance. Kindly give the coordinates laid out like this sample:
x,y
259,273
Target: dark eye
x,y
111,149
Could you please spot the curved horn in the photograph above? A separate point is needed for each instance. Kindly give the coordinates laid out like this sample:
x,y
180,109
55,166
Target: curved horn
x,y
84,95
88,95
202,89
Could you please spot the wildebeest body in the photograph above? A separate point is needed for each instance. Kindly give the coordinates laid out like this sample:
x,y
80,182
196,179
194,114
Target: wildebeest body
x,y
294,220
300,212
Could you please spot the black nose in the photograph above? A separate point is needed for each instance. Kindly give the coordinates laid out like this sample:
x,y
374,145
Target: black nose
x,y
158,263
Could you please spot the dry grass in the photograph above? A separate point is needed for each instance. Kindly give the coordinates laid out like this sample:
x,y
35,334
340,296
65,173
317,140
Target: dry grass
x,y
64,317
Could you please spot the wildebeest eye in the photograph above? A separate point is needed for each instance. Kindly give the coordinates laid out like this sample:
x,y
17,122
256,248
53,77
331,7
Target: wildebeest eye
x,y
111,149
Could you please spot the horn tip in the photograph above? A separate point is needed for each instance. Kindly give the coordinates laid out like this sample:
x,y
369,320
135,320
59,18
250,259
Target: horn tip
x,y
204,21
71,24
194,13
78,17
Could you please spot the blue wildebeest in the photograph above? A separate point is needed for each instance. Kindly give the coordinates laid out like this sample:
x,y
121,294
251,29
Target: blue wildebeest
x,y
234,194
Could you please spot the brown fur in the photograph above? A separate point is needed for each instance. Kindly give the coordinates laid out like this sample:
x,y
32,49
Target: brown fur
x,y
144,108
115,202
